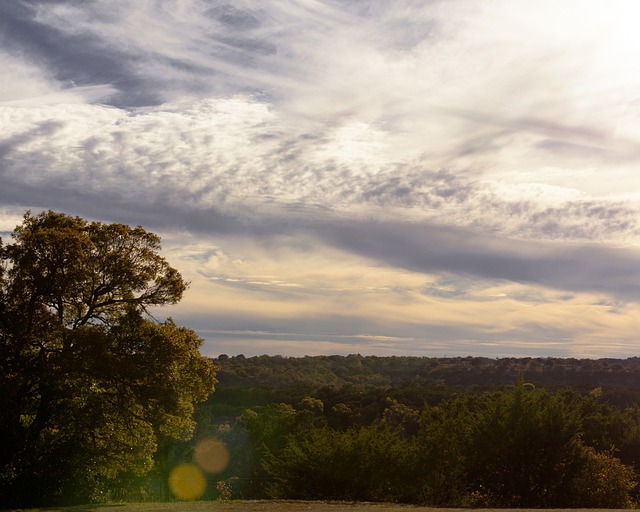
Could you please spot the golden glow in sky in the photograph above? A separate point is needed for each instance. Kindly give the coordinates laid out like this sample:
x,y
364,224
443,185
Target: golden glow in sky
x,y
375,177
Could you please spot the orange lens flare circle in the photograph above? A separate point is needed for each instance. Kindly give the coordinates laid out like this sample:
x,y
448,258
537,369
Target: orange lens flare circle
x,y
211,455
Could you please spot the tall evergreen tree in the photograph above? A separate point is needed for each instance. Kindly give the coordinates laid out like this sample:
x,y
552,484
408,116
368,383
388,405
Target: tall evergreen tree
x,y
526,450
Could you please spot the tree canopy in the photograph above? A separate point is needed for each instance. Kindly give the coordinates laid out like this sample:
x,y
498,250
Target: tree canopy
x,y
90,384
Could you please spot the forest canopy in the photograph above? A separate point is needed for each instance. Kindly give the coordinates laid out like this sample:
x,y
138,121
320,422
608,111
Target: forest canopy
x,y
464,431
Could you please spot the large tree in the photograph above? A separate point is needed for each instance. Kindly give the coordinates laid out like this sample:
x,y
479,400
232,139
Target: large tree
x,y
90,384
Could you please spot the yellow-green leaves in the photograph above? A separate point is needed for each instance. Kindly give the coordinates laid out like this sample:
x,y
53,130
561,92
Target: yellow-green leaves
x,y
89,387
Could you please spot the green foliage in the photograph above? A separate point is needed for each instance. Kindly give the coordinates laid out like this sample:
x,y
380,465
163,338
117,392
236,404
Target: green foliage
x,y
603,482
88,386
516,447
526,450
442,450
87,272
359,464
617,377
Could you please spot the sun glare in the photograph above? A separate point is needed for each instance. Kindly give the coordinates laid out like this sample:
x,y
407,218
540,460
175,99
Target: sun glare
x,y
188,481
211,455
616,40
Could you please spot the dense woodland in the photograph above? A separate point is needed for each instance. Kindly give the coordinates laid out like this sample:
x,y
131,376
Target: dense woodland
x,y
278,371
512,432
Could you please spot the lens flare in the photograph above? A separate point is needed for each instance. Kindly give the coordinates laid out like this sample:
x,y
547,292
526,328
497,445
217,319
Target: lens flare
x,y
211,455
187,482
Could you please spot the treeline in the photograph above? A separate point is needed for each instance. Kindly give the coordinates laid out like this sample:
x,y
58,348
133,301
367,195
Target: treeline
x,y
240,371
386,429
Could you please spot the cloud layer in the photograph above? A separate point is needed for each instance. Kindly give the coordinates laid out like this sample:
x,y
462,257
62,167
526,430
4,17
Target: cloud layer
x,y
373,177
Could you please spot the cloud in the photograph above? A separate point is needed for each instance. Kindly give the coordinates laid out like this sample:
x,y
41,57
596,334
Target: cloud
x,y
233,157
565,266
330,295
207,165
473,160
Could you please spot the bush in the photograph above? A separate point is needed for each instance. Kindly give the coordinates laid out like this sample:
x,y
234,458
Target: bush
x,y
604,482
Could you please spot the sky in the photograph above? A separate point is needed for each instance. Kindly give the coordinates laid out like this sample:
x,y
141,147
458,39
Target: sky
x,y
382,177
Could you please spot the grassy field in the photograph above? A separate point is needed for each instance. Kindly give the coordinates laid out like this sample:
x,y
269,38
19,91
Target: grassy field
x,y
262,506
240,506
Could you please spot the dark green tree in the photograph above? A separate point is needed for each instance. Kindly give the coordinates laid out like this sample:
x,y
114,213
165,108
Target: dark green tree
x,y
360,464
443,447
525,450
89,383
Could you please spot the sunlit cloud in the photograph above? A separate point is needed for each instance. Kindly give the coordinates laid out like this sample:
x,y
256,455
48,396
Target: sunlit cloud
x,y
377,177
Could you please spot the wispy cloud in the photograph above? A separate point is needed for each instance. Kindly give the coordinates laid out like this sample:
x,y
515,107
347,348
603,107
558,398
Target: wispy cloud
x,y
454,176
